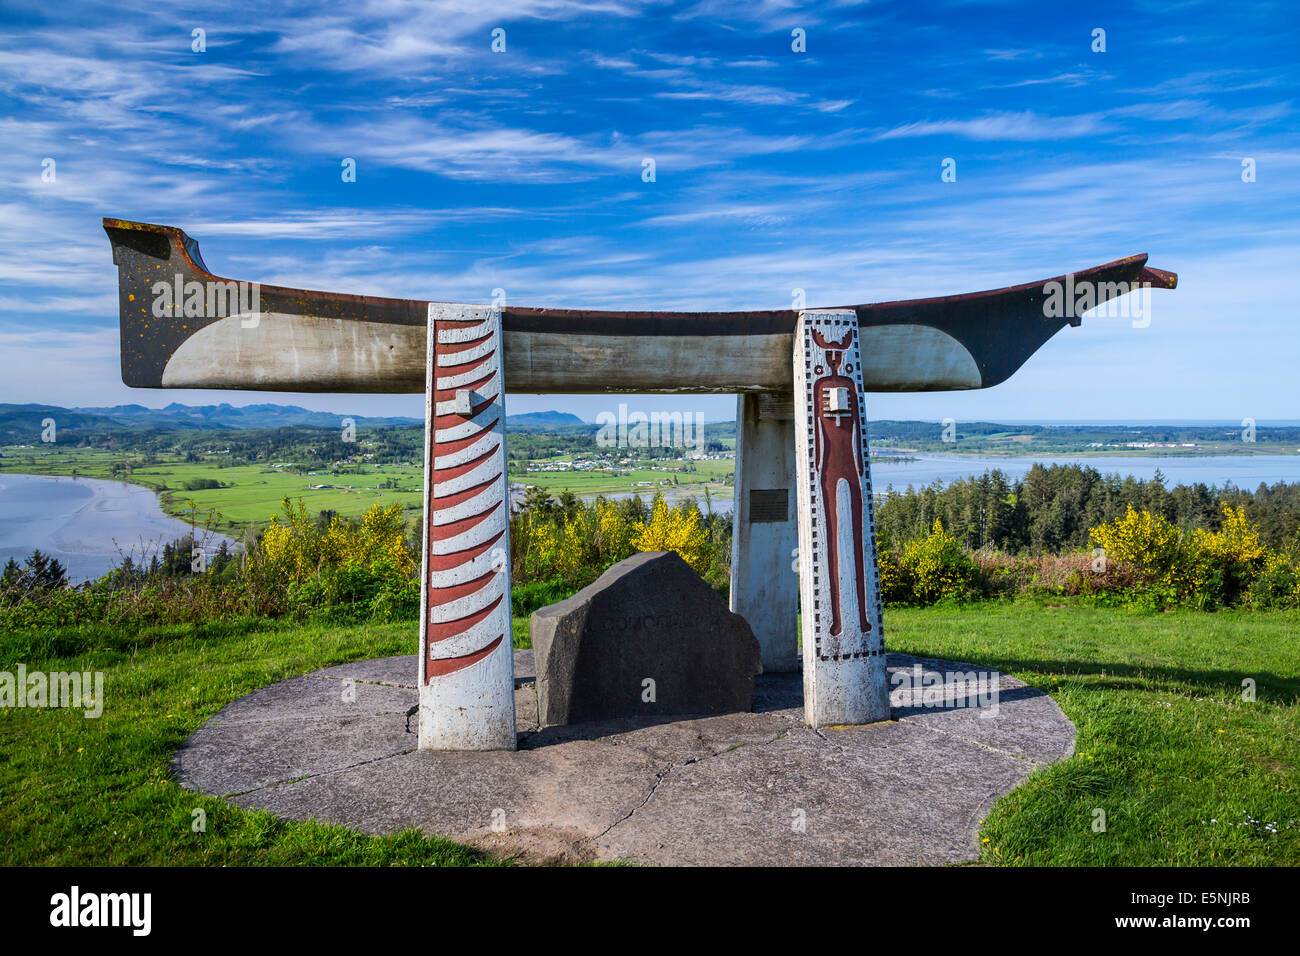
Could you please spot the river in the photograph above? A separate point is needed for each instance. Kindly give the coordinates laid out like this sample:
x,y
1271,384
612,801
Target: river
x,y
87,523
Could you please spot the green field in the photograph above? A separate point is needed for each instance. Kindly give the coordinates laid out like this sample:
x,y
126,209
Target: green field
x,y
638,478
1186,771
255,491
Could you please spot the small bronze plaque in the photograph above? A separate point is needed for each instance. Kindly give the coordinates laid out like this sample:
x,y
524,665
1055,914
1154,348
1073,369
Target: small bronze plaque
x,y
769,504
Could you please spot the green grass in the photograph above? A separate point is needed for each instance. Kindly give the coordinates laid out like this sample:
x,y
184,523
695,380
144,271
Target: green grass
x,y
100,791
1166,745
715,474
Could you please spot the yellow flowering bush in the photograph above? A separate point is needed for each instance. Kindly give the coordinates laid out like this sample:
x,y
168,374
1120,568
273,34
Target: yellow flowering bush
x,y
894,587
1207,567
936,567
1225,562
615,533
554,543
291,548
1145,541
677,530
294,548
343,566
1278,584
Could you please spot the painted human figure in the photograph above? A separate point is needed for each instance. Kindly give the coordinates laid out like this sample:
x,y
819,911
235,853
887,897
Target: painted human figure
x,y
838,455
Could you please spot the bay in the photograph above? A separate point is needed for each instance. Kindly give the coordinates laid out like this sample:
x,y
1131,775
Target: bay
x,y
89,524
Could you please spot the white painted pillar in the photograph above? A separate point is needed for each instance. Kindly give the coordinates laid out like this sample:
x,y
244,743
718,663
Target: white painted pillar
x,y
765,533
843,647
467,685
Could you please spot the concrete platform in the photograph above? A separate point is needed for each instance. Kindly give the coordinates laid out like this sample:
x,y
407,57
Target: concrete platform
x,y
755,788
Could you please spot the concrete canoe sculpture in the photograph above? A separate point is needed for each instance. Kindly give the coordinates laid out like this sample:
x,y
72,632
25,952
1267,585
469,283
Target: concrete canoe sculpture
x,y
800,376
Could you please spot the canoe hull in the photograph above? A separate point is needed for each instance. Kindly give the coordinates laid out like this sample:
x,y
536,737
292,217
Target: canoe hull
x,y
303,341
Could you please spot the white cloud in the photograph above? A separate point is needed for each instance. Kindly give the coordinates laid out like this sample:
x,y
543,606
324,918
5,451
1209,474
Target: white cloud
x,y
1023,126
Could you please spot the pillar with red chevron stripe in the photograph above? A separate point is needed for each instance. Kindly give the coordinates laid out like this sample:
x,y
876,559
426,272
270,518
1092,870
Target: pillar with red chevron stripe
x,y
467,698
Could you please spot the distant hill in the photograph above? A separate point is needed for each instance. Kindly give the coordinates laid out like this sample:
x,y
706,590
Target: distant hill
x,y
22,424
231,416
543,419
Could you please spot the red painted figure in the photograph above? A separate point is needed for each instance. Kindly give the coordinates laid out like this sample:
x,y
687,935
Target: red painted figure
x,y
838,455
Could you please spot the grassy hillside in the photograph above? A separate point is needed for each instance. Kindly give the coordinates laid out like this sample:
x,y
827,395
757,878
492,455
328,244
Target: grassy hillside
x,y
1181,765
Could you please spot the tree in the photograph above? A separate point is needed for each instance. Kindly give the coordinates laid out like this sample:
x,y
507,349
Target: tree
x,y
40,573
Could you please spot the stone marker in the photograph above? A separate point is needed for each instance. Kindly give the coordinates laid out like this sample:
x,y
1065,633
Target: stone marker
x,y
648,637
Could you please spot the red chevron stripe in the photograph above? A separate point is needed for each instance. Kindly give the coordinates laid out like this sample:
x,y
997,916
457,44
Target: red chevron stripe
x,y
441,532
443,475
449,665
445,562
454,347
459,368
447,394
452,500
456,444
446,629
447,421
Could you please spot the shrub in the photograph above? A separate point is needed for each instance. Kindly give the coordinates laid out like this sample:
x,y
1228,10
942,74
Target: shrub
x,y
1227,561
574,542
1204,568
934,568
677,529
201,484
1146,542
297,549
1278,583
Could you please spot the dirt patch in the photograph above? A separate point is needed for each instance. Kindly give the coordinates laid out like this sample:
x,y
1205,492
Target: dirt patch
x,y
540,846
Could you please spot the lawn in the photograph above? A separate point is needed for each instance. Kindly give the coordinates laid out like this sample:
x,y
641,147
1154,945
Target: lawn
x,y
77,791
1185,770
643,478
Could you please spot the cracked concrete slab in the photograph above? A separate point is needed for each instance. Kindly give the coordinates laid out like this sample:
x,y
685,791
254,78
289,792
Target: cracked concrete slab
x,y
315,698
578,791
754,788
880,794
235,758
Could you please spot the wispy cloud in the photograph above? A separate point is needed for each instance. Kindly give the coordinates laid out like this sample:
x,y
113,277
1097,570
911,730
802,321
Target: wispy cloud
x,y
1021,127
525,169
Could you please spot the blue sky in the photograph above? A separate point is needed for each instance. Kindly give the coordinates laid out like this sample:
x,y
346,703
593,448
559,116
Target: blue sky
x,y
775,169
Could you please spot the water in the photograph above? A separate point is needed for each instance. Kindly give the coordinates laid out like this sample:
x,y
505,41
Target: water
x,y
1244,471
90,524
87,523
